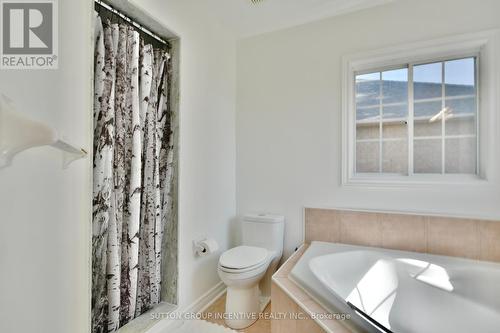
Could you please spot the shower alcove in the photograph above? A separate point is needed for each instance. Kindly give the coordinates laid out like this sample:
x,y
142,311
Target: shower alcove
x,y
158,135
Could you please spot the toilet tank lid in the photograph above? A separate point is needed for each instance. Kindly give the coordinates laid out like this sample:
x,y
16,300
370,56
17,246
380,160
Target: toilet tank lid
x,y
264,218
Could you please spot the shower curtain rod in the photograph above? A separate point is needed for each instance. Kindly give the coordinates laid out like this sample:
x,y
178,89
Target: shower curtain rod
x,y
134,23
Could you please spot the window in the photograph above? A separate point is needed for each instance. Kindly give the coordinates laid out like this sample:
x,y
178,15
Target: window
x,y
418,119
421,113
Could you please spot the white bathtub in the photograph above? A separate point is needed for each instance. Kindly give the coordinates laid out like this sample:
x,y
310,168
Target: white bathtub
x,y
402,292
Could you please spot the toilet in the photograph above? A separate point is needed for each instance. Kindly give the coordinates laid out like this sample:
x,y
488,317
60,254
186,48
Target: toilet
x,y
247,269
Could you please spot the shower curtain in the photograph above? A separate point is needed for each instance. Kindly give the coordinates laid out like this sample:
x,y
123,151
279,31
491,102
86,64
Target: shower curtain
x,y
133,166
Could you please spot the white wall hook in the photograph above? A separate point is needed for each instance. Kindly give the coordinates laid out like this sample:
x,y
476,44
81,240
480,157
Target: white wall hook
x,y
19,133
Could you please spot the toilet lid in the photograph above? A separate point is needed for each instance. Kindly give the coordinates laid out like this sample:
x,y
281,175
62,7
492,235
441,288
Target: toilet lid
x,y
243,257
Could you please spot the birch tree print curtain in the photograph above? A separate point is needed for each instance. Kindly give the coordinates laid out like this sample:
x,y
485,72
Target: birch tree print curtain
x,y
133,156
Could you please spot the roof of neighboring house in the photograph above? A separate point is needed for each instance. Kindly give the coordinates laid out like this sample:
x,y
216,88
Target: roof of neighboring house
x,y
460,99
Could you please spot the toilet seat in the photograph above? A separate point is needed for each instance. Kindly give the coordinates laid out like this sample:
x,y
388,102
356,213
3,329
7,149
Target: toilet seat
x,y
243,259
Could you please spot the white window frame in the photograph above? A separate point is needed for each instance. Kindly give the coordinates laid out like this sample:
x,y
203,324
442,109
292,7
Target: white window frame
x,y
483,46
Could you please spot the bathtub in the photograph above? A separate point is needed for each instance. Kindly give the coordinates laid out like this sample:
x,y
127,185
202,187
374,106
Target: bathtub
x,y
401,292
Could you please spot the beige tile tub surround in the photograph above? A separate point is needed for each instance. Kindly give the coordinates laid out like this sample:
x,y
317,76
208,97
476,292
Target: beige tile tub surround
x,y
359,228
489,235
451,236
403,233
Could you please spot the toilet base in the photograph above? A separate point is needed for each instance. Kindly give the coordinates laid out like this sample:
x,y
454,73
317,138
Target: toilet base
x,y
264,302
243,306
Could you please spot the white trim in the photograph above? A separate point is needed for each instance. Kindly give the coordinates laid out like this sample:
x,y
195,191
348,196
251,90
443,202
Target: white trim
x,y
482,45
374,181
207,299
411,121
452,136
461,46
380,124
199,305
478,115
443,118
381,140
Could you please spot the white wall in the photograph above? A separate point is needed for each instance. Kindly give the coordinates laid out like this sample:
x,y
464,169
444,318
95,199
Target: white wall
x,y
287,156
289,112
207,137
45,211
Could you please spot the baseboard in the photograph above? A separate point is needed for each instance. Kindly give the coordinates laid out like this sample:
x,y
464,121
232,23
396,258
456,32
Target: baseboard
x,y
199,305
207,299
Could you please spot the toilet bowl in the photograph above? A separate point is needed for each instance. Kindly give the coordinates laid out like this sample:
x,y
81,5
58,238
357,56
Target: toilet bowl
x,y
246,270
241,269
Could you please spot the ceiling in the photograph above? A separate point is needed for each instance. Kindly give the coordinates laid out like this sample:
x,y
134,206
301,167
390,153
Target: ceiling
x,y
246,19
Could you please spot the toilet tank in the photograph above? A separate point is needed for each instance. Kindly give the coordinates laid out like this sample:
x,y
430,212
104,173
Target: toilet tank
x,y
264,230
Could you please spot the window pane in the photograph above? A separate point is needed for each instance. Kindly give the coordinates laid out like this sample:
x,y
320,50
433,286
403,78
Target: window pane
x,y
367,156
368,106
461,125
394,123
368,131
427,156
427,81
461,111
428,94
399,112
368,89
395,129
427,121
368,121
426,127
461,155
460,77
395,157
427,109
395,86
460,97
462,106
368,114
375,76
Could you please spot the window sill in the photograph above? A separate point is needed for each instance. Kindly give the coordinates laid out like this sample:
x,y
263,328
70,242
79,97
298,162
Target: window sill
x,y
415,181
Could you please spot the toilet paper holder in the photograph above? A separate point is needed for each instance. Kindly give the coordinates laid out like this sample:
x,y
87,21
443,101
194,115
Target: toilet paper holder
x,y
205,246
